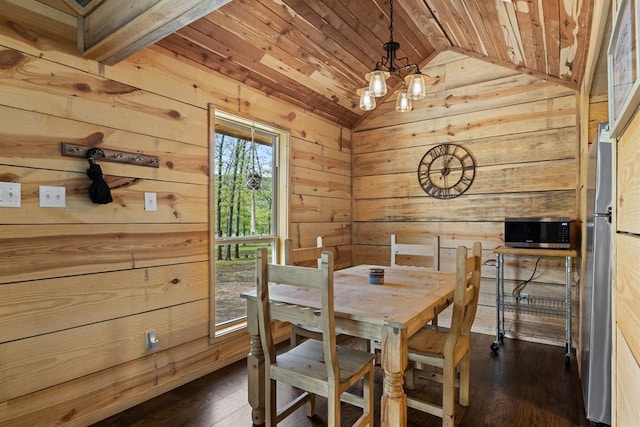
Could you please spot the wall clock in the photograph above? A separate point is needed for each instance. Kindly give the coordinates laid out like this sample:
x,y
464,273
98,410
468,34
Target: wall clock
x,y
446,171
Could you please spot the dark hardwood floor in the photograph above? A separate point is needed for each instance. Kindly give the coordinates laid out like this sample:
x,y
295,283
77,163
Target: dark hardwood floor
x,y
524,384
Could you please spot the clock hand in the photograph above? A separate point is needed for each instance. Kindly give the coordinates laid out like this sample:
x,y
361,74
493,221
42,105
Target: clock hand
x,y
451,156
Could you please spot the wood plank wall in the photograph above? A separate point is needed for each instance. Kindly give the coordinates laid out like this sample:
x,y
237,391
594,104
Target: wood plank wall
x,y
321,196
523,134
80,285
626,291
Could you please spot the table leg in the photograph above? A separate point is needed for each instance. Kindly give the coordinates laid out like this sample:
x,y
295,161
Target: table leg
x,y
255,366
394,361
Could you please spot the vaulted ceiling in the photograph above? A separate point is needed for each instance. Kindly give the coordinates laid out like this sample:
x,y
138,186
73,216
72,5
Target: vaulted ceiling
x,y
314,53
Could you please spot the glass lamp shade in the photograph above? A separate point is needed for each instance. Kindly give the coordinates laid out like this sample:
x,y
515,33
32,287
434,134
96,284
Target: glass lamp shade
x,y
416,86
367,101
403,103
377,82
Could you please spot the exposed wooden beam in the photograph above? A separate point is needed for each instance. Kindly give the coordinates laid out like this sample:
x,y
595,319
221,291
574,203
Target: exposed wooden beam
x,y
111,32
39,19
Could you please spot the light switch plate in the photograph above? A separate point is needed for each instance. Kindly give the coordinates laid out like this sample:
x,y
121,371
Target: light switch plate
x,y
52,197
10,194
150,202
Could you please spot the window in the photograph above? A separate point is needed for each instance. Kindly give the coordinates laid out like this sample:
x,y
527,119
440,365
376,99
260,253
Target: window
x,y
248,211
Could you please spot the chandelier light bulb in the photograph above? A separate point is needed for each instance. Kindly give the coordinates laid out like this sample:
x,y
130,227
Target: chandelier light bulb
x,y
367,101
403,103
416,86
377,83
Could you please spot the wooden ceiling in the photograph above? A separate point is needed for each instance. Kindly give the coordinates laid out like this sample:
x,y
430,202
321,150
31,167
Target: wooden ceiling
x,y
314,53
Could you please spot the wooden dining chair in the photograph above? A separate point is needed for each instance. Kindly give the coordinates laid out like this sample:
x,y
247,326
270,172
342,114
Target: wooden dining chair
x,y
449,349
304,257
423,252
317,367
310,256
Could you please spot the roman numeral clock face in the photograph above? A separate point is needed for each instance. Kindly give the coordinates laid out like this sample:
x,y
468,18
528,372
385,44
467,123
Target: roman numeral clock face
x,y
446,171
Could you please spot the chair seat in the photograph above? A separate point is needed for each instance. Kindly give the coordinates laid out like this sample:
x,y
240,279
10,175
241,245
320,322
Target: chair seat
x,y
428,342
306,361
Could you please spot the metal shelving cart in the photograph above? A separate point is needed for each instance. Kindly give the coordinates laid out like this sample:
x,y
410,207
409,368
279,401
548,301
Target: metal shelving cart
x,y
534,305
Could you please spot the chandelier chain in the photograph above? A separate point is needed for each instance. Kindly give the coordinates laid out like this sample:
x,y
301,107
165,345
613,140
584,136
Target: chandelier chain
x,y
391,21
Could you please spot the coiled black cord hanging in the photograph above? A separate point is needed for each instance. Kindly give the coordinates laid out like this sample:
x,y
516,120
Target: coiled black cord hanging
x,y
520,287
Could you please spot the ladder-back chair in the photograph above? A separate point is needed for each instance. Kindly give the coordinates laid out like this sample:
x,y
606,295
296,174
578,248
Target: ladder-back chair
x,y
317,367
423,252
449,349
419,252
310,257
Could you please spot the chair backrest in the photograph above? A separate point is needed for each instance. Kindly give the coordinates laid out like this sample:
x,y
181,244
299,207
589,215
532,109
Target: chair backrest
x,y
306,257
321,315
467,291
423,252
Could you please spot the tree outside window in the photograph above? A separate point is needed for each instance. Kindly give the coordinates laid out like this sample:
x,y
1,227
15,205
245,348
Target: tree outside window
x,y
246,214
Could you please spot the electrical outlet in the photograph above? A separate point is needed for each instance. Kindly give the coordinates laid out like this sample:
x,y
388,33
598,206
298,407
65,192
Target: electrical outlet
x,y
151,340
52,197
10,194
150,202
523,299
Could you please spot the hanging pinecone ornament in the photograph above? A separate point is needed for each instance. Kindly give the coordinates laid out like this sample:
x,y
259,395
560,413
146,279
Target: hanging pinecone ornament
x,y
254,180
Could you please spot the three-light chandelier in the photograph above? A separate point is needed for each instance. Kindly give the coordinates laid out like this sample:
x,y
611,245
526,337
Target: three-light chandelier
x,y
413,86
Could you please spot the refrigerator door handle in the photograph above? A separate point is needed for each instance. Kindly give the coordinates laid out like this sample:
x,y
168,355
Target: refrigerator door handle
x,y
604,215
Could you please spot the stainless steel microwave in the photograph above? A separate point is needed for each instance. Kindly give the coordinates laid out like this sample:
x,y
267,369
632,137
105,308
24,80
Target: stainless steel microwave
x,y
549,232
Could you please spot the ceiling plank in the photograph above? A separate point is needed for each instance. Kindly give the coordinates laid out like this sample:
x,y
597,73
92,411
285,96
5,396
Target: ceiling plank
x,y
513,40
538,39
527,37
489,29
426,25
189,43
445,14
583,38
572,38
261,28
111,33
549,13
331,27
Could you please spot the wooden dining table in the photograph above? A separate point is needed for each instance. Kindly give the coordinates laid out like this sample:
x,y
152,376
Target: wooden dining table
x,y
389,312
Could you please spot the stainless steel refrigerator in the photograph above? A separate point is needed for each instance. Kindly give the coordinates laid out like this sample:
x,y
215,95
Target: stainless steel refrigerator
x,y
596,317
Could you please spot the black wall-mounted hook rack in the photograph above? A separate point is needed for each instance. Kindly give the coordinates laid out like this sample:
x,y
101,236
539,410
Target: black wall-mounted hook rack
x,y
74,150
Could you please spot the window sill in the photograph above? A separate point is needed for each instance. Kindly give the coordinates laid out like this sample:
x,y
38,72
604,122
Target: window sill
x,y
227,332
